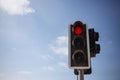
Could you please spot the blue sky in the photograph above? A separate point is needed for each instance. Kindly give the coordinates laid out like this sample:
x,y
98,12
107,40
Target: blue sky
x,y
34,34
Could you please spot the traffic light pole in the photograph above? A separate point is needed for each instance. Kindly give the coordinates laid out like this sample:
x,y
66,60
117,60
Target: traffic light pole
x,y
81,74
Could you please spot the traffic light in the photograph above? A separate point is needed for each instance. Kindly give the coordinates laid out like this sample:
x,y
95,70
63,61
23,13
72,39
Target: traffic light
x,y
79,53
93,37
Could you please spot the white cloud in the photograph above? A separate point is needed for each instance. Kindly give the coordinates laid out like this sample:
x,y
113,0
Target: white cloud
x,y
46,57
16,7
62,40
62,64
48,68
61,45
60,50
24,72
13,78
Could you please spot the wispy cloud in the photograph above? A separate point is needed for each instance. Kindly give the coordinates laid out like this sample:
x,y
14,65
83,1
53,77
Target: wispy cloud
x,y
48,68
24,72
61,45
46,57
59,50
62,64
16,7
14,77
62,40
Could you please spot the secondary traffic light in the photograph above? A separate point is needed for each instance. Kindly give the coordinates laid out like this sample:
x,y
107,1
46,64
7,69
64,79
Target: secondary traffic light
x,y
79,53
93,37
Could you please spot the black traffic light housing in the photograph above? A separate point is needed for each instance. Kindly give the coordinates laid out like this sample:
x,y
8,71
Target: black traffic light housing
x,y
82,47
86,71
79,51
93,37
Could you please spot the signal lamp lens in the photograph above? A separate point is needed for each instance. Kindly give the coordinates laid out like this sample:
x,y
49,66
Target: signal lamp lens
x,y
78,30
78,42
78,57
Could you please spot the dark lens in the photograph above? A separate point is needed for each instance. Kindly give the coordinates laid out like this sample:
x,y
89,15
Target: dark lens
x,y
79,57
78,43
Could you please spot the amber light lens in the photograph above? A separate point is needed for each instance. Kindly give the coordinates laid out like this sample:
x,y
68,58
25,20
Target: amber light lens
x,y
78,42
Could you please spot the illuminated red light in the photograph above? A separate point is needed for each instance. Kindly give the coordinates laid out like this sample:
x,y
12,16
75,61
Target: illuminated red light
x,y
78,30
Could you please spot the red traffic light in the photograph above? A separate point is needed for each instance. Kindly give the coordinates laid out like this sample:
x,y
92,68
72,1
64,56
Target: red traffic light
x,y
78,30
